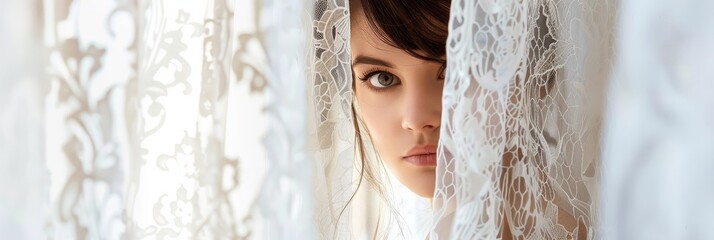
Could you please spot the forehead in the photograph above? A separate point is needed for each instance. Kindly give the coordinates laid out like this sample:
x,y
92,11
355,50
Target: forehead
x,y
365,42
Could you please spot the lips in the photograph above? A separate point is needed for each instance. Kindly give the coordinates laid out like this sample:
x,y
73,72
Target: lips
x,y
423,155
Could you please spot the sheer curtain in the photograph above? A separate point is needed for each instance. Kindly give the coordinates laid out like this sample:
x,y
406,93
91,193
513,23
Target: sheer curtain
x,y
157,120
232,119
519,146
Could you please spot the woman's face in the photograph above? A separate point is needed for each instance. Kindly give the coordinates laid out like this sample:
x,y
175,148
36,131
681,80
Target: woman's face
x,y
399,99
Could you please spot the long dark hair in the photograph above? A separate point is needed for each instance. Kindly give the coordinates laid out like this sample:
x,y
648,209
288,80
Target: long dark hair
x,y
420,28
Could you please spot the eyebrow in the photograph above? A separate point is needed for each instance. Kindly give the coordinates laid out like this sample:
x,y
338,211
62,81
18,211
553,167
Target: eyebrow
x,y
370,60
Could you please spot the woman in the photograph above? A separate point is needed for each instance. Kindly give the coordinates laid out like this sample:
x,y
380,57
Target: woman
x,y
397,68
398,51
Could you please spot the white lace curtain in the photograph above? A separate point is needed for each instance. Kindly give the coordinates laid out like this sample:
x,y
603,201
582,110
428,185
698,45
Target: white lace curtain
x,y
158,120
231,119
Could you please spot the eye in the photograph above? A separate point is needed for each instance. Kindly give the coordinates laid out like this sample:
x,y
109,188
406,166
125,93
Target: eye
x,y
382,79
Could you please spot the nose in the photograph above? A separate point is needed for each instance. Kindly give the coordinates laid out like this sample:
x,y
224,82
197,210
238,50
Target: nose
x,y
422,110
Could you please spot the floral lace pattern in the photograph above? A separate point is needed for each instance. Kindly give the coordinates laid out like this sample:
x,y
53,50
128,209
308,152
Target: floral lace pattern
x,y
148,113
518,153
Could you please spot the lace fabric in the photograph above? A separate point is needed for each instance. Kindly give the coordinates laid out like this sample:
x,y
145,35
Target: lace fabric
x,y
176,120
519,147
331,140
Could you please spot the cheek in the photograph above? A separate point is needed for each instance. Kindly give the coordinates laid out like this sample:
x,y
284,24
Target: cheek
x,y
382,117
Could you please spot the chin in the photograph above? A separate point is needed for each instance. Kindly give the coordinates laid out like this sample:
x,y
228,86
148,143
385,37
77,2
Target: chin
x,y
422,184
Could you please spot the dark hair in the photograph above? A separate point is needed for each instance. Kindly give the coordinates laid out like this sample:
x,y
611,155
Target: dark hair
x,y
420,28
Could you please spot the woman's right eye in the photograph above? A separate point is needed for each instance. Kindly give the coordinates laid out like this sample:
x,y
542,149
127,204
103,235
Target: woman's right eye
x,y
382,80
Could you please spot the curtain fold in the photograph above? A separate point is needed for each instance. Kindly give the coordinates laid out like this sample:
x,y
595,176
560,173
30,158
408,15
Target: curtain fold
x,y
657,155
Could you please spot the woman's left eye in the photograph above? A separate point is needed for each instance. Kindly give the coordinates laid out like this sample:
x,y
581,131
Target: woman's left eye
x,y
382,80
